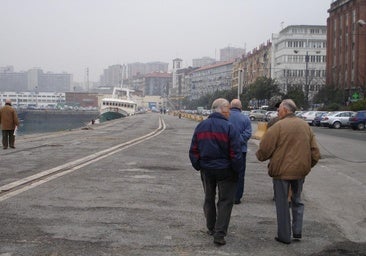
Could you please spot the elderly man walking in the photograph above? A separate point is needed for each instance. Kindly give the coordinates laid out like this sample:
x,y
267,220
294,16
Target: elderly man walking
x,y
9,121
215,151
243,125
292,149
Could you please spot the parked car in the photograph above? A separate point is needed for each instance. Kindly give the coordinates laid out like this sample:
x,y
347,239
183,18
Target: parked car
x,y
309,116
319,117
299,113
245,112
270,115
358,121
257,114
337,119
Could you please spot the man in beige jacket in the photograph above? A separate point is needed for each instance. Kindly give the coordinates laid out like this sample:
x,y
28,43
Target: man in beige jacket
x,y
9,121
292,149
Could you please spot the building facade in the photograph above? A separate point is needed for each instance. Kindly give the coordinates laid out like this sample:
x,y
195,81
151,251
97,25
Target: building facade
x,y
211,78
231,53
257,63
23,100
138,68
34,80
158,84
346,52
299,58
204,61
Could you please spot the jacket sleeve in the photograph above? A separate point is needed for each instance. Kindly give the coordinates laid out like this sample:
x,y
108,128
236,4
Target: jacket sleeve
x,y
15,118
194,154
267,145
247,133
235,149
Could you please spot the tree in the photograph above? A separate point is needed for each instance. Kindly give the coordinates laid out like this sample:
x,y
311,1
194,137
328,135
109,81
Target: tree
x,y
297,95
328,95
263,89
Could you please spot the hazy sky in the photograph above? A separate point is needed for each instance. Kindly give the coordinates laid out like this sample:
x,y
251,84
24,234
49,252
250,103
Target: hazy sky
x,y
71,35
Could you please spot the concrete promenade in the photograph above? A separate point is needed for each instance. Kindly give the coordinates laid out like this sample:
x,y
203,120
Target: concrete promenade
x,y
144,199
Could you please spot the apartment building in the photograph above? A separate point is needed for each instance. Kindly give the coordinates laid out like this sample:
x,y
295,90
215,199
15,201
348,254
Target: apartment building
x,y
299,58
158,84
257,63
211,78
346,52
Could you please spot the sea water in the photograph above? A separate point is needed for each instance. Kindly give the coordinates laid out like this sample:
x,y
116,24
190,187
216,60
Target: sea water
x,y
31,122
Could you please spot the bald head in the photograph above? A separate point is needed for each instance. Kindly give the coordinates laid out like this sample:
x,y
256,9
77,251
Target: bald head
x,y
8,101
236,103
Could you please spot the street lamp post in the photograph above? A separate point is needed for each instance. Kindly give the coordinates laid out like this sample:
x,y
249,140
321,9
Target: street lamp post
x,y
307,77
239,82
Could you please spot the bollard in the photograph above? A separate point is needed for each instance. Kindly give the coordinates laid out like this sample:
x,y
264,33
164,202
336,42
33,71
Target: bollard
x,y
261,130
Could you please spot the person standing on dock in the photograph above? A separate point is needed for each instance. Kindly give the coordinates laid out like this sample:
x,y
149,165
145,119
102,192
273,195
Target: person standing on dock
x,y
215,151
9,121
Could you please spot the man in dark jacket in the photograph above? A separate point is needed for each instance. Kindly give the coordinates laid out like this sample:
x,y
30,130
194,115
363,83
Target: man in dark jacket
x,y
243,125
216,152
9,121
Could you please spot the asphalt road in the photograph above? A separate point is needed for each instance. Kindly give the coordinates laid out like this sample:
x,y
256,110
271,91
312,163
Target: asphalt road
x,y
147,200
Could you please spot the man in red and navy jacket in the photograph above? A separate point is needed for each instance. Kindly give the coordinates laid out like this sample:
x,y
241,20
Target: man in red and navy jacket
x,y
216,152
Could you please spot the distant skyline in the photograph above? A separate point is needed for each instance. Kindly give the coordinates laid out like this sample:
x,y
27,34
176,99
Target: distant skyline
x,y
73,35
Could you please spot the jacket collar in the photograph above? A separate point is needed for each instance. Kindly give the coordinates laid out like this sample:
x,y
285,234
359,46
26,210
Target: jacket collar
x,y
235,109
217,115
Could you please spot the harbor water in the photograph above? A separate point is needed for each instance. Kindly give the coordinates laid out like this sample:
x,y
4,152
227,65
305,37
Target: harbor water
x,y
41,121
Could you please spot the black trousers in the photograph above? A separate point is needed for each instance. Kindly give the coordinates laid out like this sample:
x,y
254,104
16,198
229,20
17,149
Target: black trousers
x,y
8,138
226,182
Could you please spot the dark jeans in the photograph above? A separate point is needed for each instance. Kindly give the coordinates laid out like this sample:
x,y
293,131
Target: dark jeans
x,y
225,181
283,211
8,138
241,180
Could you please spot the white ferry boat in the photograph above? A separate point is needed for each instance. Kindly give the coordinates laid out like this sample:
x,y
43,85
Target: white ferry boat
x,y
117,106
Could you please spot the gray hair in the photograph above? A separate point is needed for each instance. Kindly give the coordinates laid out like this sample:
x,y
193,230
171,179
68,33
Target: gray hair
x,y
289,105
236,103
219,104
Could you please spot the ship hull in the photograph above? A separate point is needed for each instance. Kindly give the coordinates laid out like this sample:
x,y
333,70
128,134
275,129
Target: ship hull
x,y
109,115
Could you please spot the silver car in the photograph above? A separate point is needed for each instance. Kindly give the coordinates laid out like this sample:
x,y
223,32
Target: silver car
x,y
257,114
337,119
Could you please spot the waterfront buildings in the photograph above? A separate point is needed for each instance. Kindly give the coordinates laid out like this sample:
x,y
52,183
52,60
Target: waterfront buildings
x,y
33,99
346,52
299,58
34,80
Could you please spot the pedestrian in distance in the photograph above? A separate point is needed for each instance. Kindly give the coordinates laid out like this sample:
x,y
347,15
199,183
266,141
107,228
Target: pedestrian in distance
x,y
291,146
215,151
243,125
9,122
